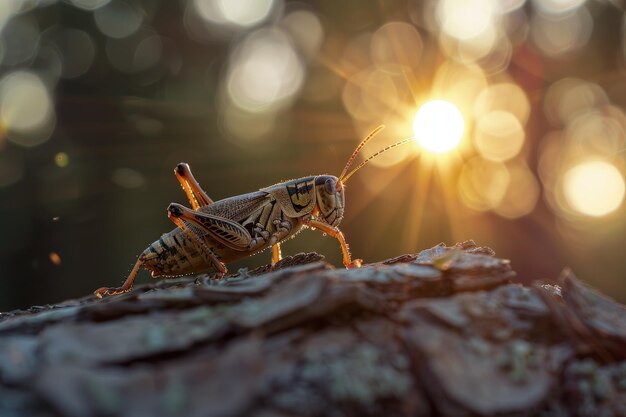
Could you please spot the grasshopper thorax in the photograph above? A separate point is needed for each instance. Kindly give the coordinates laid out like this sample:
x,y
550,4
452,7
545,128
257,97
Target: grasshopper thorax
x,y
330,199
321,196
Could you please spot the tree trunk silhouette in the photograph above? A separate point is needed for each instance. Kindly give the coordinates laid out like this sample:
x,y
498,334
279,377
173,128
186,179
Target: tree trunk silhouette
x,y
443,332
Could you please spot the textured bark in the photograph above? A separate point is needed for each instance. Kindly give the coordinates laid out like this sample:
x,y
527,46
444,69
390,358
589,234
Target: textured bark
x,y
443,332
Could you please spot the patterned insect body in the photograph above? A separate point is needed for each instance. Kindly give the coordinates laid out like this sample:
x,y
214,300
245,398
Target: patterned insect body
x,y
260,213
213,233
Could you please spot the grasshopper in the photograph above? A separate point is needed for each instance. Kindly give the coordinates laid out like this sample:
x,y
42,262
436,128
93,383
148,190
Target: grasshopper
x,y
213,233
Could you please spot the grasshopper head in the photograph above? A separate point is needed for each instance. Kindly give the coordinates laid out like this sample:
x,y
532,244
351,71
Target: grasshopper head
x,y
330,198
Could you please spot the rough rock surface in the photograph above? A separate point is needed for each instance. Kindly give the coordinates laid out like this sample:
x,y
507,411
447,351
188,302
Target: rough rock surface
x,y
442,332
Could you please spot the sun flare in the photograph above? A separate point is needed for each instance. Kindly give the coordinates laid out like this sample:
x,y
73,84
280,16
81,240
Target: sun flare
x,y
438,126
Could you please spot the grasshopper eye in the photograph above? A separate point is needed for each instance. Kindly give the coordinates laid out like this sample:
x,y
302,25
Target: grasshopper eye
x,y
329,185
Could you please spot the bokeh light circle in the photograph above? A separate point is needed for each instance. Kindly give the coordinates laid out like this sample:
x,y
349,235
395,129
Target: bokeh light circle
x,y
438,126
61,159
483,184
499,136
89,4
594,188
76,50
504,96
396,47
305,29
239,13
265,71
557,7
370,94
25,104
554,37
118,19
568,98
465,19
459,83
245,12
522,193
20,39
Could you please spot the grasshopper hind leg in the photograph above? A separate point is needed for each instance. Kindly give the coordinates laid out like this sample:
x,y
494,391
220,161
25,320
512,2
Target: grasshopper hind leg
x,y
126,286
197,197
174,213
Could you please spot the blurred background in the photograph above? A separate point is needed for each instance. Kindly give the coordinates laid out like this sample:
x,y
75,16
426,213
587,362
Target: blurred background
x,y
517,107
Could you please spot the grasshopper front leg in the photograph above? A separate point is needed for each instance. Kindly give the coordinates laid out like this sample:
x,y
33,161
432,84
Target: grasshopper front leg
x,y
276,255
336,233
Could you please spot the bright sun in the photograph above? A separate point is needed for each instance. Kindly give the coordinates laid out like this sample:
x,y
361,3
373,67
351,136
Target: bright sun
x,y
438,126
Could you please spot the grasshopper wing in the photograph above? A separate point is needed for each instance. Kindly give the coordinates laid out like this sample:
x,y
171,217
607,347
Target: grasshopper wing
x,y
226,231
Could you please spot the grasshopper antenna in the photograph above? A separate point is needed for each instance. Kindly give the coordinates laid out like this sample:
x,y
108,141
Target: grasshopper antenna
x,y
344,179
358,148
